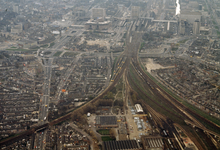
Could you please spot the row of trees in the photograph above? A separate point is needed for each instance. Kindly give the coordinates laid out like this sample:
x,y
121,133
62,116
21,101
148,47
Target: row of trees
x,y
119,103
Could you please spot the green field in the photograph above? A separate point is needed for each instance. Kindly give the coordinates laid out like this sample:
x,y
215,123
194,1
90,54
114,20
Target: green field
x,y
70,54
183,41
119,85
57,53
52,44
44,46
103,132
107,138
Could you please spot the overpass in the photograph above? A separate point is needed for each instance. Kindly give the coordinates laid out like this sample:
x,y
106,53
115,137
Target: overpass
x,y
173,21
145,55
202,128
147,18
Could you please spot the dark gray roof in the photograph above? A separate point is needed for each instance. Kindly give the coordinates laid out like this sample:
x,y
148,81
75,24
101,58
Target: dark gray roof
x,y
119,145
106,120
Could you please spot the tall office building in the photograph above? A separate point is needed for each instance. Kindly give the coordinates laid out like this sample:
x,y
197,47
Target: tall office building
x,y
182,27
15,9
98,13
135,10
196,27
200,6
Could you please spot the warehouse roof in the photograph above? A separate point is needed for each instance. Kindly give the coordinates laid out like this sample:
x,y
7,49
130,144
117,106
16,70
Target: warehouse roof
x,y
190,13
152,142
106,120
119,145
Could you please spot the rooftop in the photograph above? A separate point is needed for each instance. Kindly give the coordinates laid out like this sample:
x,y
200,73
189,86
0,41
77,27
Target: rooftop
x,y
106,120
119,145
152,142
190,13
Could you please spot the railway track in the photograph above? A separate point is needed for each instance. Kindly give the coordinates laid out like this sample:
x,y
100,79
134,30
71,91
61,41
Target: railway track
x,y
149,98
161,121
188,112
178,106
131,51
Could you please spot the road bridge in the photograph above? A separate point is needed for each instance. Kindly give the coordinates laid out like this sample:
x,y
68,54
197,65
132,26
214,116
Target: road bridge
x,y
146,55
147,18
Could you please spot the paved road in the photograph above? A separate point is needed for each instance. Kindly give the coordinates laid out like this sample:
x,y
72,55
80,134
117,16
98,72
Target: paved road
x,y
67,75
44,102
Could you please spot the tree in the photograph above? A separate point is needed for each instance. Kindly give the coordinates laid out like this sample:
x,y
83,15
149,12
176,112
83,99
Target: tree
x,y
134,97
118,103
109,95
63,109
91,97
105,102
90,108
114,90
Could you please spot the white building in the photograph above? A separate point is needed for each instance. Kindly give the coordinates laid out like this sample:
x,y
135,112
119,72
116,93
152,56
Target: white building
x,y
15,9
196,27
138,108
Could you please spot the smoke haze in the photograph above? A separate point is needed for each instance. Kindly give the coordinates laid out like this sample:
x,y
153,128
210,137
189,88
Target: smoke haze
x,y
177,7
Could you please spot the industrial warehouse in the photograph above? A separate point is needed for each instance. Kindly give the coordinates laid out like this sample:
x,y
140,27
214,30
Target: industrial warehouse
x,y
152,143
121,145
106,121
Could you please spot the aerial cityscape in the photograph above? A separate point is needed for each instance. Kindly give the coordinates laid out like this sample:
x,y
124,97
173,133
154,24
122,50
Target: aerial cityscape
x,y
110,75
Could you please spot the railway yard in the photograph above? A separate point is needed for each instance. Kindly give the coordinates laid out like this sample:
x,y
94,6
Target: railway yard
x,y
160,116
123,104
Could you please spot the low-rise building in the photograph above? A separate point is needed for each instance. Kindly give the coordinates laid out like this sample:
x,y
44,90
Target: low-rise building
x,y
95,25
119,145
152,143
27,43
106,121
17,28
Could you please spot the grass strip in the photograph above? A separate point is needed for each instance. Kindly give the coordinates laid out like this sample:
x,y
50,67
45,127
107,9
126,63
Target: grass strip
x,y
103,132
107,138
51,44
57,53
